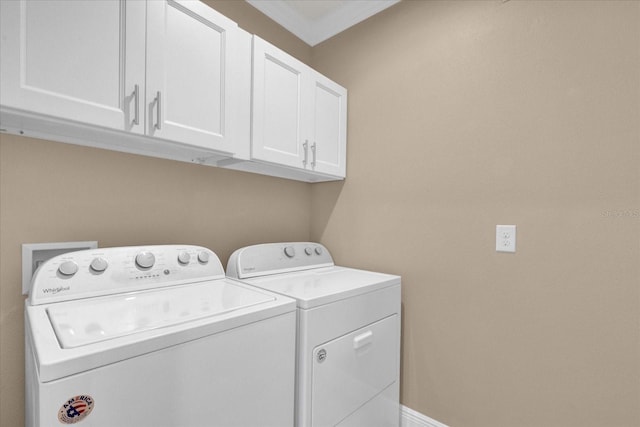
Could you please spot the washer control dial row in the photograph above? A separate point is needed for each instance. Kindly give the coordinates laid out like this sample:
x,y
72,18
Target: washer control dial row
x,y
107,271
144,260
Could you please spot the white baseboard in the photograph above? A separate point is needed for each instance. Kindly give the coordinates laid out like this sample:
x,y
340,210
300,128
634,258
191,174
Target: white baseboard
x,y
411,418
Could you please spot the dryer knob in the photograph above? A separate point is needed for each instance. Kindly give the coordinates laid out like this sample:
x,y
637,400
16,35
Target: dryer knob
x,y
308,251
68,268
98,265
318,250
145,260
289,251
203,257
184,258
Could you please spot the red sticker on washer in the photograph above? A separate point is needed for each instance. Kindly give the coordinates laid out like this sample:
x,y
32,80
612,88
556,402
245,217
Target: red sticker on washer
x,y
75,409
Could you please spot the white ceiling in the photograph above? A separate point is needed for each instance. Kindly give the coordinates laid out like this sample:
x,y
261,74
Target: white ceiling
x,y
314,21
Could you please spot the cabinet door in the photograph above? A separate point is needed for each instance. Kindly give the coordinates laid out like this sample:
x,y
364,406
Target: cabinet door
x,y
279,89
189,48
328,126
78,60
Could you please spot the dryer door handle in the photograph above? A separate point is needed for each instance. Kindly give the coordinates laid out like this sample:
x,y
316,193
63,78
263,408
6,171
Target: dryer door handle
x,y
363,340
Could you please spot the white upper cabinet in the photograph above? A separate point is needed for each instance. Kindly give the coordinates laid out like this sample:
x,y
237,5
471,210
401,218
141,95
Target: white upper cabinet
x,y
328,131
279,121
161,68
189,69
167,78
299,116
77,60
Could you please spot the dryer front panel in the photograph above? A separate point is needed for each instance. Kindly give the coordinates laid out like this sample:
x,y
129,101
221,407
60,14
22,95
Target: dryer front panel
x,y
351,370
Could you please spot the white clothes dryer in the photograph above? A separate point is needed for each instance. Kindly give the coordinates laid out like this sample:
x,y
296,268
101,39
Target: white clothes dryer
x,y
155,336
348,336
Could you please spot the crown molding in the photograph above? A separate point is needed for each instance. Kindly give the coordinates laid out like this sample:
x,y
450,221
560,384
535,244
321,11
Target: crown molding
x,y
350,14
314,32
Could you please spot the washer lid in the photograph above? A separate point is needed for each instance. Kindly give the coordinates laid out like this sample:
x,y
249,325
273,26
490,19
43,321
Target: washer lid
x,y
312,288
83,322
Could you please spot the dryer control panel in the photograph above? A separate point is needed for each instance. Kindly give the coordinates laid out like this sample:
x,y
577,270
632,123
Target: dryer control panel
x,y
106,271
273,258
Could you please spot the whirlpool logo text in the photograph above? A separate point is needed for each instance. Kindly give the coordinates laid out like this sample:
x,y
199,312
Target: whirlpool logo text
x,y
55,290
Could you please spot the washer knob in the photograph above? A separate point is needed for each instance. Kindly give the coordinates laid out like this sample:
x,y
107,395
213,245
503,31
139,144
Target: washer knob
x,y
98,265
203,257
289,251
308,251
318,250
145,260
68,268
184,258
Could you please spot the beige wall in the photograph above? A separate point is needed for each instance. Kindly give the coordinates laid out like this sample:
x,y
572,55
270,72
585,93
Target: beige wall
x,y
462,115
468,114
52,192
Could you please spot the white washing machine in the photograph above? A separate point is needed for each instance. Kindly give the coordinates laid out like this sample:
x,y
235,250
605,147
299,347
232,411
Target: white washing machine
x,y
348,345
155,336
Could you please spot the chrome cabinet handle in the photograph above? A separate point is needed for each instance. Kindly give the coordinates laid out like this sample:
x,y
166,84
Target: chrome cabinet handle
x,y
306,152
313,152
136,96
158,100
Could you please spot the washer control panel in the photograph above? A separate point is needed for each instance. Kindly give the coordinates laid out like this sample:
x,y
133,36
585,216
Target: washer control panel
x,y
273,258
106,271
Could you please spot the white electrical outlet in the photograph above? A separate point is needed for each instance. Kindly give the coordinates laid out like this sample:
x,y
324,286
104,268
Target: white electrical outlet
x,y
505,238
34,254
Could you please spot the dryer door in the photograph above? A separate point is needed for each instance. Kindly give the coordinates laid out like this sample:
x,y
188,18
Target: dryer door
x,y
351,370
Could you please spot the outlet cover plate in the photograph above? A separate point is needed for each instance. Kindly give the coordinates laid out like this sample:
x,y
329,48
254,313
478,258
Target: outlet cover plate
x,y
34,254
505,238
